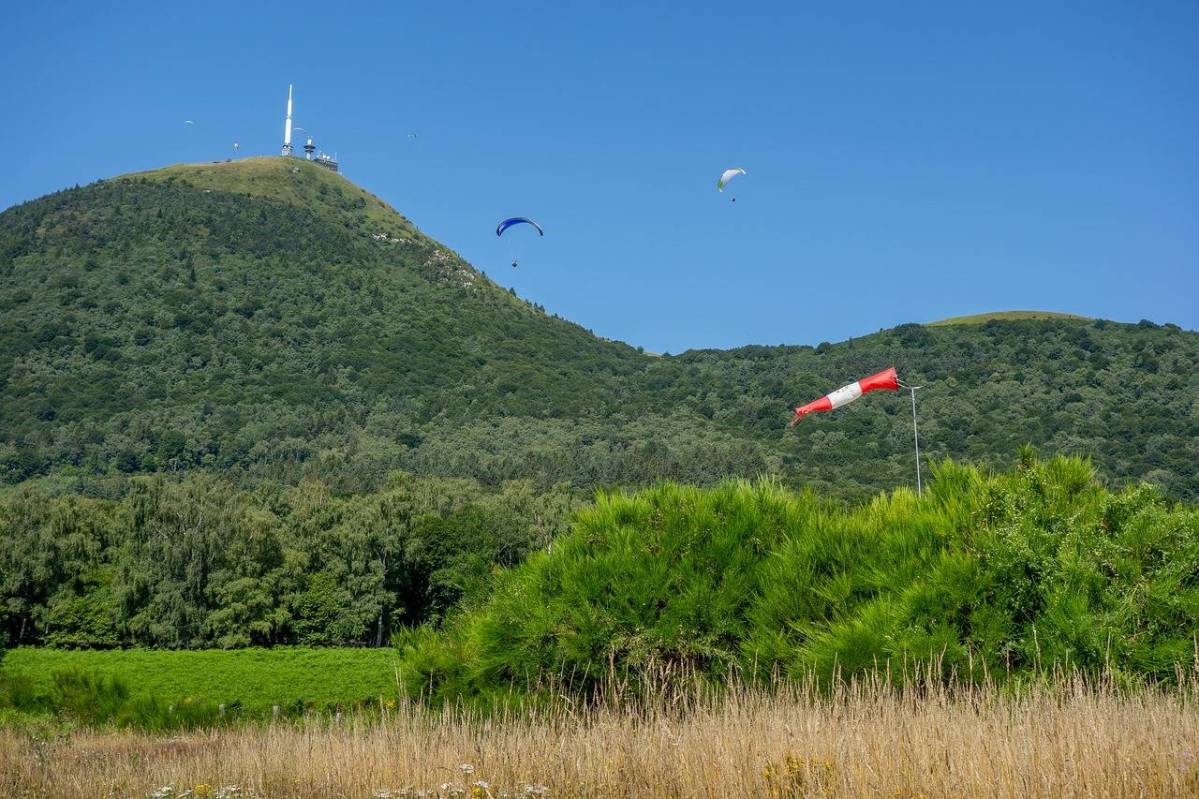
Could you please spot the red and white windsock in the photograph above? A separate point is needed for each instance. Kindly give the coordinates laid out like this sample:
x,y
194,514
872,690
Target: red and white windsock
x,y
886,380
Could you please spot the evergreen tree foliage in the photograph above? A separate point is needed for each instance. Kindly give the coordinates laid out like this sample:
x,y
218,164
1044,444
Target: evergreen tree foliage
x,y
986,575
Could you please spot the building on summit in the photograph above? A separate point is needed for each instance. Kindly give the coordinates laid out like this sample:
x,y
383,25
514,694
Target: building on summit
x,y
310,152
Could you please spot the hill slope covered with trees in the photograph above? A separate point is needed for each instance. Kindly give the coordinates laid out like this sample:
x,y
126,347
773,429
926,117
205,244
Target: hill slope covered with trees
x,y
270,320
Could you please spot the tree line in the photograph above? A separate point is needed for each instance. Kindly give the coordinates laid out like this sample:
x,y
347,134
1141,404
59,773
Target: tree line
x,y
197,562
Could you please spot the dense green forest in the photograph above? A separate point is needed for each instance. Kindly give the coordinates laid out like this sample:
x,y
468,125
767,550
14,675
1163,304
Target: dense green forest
x,y
985,576
270,321
199,563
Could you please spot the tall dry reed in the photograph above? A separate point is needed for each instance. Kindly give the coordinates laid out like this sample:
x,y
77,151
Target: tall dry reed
x,y
864,739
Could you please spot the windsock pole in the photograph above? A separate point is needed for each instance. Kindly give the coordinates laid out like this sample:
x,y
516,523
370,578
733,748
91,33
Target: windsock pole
x,y
916,438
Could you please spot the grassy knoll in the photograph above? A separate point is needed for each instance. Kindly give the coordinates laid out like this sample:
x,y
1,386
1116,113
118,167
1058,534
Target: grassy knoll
x,y
255,678
1003,316
866,741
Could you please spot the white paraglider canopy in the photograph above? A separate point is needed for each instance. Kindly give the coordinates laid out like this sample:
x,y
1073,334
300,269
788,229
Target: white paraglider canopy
x,y
728,175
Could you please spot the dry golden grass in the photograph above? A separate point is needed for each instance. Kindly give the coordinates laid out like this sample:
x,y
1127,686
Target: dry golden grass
x,y
865,740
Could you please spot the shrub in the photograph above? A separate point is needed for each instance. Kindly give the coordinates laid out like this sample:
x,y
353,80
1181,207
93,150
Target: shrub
x,y
1015,573
93,699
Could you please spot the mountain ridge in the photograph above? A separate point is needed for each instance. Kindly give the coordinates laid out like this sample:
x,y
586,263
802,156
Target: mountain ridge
x,y
269,318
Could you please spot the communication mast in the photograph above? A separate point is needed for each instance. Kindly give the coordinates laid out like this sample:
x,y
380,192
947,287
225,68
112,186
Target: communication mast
x,y
321,159
287,126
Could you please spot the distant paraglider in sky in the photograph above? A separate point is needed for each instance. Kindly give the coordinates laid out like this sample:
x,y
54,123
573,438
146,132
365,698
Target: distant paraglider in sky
x,y
188,122
236,147
726,176
517,220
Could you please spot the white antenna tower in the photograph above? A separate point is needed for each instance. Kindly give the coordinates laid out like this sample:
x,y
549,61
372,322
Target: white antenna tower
x,y
287,125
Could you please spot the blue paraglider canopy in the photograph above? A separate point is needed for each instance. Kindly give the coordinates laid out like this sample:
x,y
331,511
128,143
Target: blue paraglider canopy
x,y
517,220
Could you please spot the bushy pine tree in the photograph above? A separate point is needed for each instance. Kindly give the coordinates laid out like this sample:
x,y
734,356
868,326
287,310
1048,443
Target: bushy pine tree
x,y
984,575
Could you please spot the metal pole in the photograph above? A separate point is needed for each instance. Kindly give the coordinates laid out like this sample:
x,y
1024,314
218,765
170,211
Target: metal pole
x,y
916,439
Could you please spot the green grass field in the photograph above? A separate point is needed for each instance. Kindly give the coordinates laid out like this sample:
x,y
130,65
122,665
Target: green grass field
x,y
256,678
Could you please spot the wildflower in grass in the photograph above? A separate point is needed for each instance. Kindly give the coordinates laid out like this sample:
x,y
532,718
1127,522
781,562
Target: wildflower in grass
x,y
466,768
480,789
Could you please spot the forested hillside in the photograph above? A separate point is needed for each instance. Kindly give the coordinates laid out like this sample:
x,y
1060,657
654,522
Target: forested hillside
x,y
1125,395
269,320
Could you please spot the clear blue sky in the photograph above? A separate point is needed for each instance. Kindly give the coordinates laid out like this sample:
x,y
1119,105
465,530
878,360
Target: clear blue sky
x,y
906,161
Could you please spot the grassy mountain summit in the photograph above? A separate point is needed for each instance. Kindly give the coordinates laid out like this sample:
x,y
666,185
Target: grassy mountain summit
x,y
295,182
269,319
983,318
